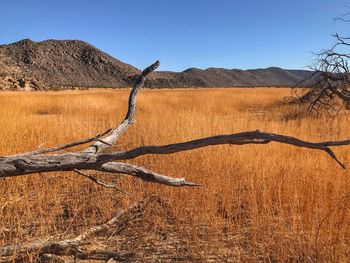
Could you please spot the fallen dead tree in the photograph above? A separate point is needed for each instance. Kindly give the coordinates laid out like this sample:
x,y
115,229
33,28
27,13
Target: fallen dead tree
x,y
96,157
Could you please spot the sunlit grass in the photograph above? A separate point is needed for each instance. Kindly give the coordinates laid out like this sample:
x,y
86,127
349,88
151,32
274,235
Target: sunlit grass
x,y
259,202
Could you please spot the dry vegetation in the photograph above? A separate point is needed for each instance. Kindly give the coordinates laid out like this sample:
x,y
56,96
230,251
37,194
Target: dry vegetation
x,y
260,202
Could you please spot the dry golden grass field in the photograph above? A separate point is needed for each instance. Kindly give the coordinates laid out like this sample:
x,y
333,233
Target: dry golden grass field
x,y
259,203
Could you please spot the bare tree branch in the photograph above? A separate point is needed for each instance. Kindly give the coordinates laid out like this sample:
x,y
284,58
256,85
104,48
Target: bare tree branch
x,y
253,137
128,120
144,174
72,144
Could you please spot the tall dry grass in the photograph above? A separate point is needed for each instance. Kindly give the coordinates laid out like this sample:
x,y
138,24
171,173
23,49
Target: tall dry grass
x,y
259,203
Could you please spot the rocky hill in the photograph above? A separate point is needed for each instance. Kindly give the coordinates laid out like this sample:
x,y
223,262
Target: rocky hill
x,y
55,64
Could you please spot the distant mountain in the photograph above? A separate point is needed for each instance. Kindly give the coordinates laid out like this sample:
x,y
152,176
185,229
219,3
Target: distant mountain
x,y
220,77
54,64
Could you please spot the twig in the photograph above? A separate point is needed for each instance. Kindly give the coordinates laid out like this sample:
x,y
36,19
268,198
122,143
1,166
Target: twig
x,y
72,144
95,180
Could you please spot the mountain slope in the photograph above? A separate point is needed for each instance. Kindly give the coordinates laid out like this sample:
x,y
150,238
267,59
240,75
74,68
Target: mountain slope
x,y
63,62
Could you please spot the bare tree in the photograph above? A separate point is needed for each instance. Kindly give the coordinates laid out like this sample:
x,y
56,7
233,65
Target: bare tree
x,y
96,157
330,82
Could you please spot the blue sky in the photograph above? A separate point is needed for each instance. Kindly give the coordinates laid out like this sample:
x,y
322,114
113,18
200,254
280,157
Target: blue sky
x,y
183,33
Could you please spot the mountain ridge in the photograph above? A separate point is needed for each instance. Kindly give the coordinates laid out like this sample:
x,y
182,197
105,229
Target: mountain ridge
x,y
55,64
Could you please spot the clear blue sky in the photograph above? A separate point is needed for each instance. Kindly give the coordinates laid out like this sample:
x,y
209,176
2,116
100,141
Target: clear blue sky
x,y
183,33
